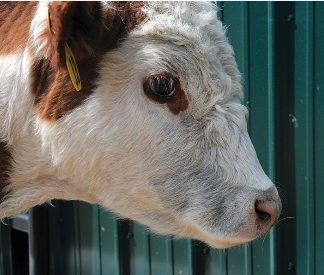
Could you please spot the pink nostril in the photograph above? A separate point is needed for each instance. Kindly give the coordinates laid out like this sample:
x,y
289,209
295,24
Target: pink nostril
x,y
267,214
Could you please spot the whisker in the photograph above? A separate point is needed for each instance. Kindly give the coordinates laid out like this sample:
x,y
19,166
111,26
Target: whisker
x,y
286,218
265,236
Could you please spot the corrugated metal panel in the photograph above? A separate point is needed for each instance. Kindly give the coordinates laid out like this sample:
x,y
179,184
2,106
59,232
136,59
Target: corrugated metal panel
x,y
300,72
303,126
279,50
303,239
318,136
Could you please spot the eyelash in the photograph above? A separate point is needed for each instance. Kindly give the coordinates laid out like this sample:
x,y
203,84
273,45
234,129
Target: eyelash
x,y
161,87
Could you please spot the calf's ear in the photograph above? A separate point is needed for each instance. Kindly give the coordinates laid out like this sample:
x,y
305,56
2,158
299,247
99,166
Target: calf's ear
x,y
90,28
79,25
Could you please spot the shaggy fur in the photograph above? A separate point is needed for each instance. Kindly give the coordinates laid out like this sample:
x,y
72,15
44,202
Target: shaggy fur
x,y
191,173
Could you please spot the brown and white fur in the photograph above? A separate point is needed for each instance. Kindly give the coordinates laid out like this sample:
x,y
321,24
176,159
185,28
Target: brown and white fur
x,y
182,164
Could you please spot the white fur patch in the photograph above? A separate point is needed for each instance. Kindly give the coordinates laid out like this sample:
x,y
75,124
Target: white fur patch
x,y
16,101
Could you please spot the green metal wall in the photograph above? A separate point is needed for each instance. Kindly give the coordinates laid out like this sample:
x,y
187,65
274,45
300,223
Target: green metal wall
x,y
279,48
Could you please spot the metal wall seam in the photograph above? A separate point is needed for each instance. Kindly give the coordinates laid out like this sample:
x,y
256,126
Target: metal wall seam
x,y
285,160
319,136
6,267
88,228
76,235
62,244
271,122
304,81
310,136
96,241
140,249
182,257
109,243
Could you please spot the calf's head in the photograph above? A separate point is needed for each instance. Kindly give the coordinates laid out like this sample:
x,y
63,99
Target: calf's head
x,y
157,132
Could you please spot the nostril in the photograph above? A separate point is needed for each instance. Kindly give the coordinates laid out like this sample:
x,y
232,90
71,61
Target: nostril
x,y
267,214
263,216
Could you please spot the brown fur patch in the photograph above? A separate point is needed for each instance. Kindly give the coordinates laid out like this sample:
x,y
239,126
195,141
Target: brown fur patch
x,y
5,167
90,31
55,93
177,102
15,19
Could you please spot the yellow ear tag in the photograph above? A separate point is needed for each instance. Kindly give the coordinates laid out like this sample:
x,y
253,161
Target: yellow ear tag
x,y
48,21
72,67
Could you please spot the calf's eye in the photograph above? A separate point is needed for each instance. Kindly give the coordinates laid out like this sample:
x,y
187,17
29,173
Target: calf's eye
x,y
162,86
165,88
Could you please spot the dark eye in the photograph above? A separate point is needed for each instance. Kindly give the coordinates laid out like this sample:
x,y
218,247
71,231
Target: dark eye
x,y
165,88
162,86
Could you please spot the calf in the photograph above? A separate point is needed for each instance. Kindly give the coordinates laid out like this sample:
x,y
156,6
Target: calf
x,y
134,106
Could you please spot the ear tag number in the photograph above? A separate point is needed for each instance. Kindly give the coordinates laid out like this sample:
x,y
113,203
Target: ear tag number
x,y
72,68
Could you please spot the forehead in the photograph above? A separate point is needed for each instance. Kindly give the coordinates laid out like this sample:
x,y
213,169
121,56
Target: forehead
x,y
183,23
198,14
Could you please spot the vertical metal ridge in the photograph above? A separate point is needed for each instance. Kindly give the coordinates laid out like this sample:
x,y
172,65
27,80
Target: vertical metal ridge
x,y
248,259
77,237
140,250
6,267
304,136
246,57
310,133
100,242
109,249
319,136
96,265
245,70
271,121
